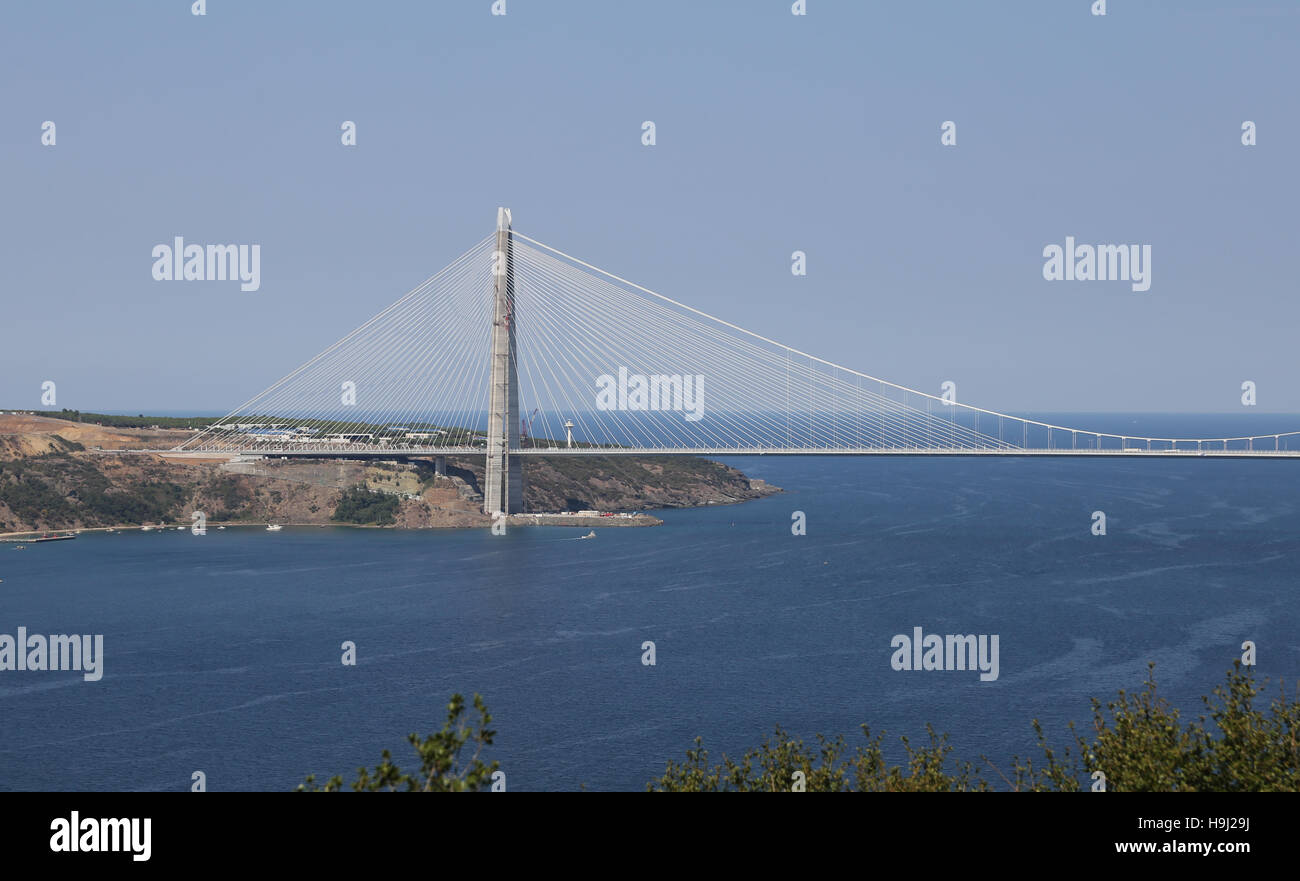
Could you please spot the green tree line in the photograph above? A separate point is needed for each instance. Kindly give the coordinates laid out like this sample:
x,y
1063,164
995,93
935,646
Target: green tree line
x,y
360,505
1137,742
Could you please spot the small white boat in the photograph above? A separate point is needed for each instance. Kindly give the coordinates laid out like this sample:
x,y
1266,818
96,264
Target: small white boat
x,y
273,527
146,528
221,527
591,534
180,528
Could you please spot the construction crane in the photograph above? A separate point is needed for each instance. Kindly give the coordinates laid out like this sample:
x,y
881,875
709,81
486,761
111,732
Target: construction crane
x,y
526,424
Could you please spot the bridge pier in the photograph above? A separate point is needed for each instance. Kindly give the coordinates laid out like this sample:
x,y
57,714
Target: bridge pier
x,y
503,488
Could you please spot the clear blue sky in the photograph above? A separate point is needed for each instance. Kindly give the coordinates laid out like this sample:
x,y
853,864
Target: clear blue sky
x,y
775,133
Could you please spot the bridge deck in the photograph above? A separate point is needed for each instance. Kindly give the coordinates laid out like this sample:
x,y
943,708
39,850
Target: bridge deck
x,y
426,452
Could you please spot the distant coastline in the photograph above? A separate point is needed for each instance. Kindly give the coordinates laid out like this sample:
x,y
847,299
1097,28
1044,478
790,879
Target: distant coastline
x,y
55,476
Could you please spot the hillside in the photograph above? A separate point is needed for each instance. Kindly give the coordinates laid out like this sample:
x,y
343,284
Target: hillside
x,y
52,477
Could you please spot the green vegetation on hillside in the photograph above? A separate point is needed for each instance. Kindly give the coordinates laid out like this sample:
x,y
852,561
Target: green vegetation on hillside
x,y
30,495
59,489
653,472
140,421
360,505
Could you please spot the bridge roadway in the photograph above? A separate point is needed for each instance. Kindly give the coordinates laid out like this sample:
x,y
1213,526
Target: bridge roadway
x,y
427,452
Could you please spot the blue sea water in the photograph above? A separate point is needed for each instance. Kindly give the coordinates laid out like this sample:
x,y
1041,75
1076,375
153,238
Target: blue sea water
x,y
223,651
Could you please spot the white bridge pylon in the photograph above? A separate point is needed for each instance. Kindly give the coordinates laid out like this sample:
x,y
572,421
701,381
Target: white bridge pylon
x,y
603,366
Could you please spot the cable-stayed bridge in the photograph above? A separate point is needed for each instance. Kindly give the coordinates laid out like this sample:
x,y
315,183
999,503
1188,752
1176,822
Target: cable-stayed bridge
x,y
517,349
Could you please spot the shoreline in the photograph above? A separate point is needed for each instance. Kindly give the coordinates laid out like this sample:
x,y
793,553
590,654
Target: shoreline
x,y
81,487
616,521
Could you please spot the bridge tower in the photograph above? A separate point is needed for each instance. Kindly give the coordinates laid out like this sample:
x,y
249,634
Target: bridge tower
x,y
504,485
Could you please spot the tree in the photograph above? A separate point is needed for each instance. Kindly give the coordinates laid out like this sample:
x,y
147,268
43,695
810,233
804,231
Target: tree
x,y
359,505
440,759
782,764
1140,745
